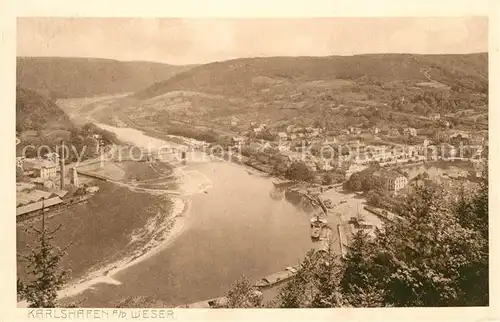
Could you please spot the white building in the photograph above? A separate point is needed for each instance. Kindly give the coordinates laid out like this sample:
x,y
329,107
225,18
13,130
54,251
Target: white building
x,y
238,140
257,130
282,135
396,182
393,181
44,169
435,116
410,131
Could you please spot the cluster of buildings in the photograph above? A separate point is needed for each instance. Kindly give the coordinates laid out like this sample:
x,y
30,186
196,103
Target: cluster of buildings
x,y
291,132
362,155
42,183
45,173
30,199
349,156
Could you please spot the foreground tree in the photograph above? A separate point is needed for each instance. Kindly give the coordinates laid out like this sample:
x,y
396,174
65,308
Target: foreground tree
x,y
428,258
424,254
299,171
472,212
316,283
45,276
435,253
358,276
242,294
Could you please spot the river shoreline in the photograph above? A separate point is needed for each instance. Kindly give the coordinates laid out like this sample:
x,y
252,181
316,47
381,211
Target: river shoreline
x,y
176,220
172,227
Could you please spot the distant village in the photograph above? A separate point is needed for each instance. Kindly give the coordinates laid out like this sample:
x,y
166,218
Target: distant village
x,y
335,157
301,153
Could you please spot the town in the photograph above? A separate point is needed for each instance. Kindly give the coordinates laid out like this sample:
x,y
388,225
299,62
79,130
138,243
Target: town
x,y
332,157
321,168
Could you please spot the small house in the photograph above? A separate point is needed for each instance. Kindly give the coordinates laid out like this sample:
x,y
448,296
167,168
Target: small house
x,y
435,116
410,131
44,183
282,136
237,140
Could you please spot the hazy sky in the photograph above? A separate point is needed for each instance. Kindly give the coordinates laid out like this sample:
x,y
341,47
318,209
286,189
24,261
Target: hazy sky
x,y
193,41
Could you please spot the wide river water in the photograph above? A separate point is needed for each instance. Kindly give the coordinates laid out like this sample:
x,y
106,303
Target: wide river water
x,y
237,227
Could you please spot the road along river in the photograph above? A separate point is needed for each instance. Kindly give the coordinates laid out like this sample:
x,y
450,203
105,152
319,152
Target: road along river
x,y
234,225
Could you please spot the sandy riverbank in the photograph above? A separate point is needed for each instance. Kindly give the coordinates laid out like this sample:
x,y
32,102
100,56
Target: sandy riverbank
x,y
155,239
159,232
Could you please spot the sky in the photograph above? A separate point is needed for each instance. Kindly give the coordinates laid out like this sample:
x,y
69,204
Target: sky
x,y
197,41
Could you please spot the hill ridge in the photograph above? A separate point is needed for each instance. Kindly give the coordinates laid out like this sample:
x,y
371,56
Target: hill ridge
x,y
227,77
68,77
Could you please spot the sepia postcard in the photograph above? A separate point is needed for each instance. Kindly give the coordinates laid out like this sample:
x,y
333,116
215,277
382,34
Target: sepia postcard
x,y
175,162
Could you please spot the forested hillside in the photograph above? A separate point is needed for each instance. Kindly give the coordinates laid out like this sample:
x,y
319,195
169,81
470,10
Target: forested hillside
x,y
59,77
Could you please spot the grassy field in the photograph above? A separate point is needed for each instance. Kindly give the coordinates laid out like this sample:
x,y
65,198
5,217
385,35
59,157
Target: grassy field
x,y
107,169
140,171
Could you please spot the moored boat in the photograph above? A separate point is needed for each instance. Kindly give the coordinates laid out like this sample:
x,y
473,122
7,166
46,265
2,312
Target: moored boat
x,y
277,278
317,223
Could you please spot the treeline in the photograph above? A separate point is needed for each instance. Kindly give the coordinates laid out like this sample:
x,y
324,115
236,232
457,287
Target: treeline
x,y
432,101
365,180
436,255
83,143
200,135
87,141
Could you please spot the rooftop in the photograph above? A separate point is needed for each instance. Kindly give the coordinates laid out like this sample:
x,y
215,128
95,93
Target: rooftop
x,y
21,186
43,180
388,174
37,206
39,164
23,198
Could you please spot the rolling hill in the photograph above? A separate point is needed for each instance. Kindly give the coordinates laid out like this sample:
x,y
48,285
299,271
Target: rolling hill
x,y
247,77
336,91
58,77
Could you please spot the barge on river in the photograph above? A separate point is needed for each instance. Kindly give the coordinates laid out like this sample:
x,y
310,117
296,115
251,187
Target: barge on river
x,y
277,278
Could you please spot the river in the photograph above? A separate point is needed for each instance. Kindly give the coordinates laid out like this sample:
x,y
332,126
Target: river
x,y
236,227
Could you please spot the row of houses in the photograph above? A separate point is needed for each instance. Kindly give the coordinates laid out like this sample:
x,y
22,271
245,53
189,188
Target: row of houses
x,y
360,154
